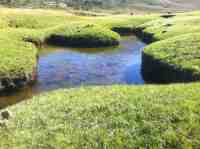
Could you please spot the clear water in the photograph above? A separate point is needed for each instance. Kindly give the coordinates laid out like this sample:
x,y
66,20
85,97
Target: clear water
x,y
60,67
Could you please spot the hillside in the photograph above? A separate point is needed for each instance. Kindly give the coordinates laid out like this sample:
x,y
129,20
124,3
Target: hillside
x,y
105,4
165,4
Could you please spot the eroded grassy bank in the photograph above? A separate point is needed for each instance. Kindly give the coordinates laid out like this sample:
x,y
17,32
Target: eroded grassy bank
x,y
174,55
173,60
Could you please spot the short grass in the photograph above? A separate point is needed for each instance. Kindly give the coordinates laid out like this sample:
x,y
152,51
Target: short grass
x,y
106,117
124,21
178,25
78,34
18,59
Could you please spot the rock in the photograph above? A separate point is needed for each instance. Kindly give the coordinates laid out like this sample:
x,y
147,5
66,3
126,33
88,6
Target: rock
x,y
5,115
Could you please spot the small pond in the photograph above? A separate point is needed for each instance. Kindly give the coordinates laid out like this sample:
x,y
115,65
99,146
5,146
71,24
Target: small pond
x,y
60,67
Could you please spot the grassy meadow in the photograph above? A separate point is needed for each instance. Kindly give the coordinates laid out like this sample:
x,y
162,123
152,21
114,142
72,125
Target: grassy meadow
x,y
114,117
107,117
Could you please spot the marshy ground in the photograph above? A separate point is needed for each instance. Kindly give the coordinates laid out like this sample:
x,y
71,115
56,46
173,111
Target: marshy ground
x,y
114,116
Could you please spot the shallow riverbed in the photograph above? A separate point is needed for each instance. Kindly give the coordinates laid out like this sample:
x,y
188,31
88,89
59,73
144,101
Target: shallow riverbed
x,y
72,67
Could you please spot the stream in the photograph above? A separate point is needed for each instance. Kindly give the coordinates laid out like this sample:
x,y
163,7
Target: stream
x,y
60,67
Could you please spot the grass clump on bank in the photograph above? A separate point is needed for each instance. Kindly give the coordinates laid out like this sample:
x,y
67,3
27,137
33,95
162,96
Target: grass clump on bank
x,y
173,60
18,63
82,35
106,117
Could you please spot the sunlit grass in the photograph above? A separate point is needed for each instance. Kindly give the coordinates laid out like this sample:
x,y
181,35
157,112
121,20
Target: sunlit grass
x,y
107,117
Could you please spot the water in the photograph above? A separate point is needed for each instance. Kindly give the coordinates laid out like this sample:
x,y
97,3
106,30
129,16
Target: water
x,y
72,67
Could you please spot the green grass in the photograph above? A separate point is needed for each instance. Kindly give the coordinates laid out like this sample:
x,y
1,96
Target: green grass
x,y
16,57
106,117
166,28
124,21
81,34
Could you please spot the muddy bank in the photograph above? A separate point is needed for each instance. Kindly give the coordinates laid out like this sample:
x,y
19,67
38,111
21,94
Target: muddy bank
x,y
10,84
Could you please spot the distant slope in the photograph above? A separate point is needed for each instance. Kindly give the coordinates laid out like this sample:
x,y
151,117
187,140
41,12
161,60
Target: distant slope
x,y
181,4
90,4
166,4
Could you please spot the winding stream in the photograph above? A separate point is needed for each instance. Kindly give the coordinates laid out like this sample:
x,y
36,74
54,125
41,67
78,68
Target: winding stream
x,y
72,67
